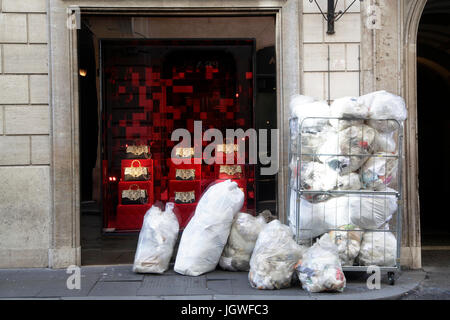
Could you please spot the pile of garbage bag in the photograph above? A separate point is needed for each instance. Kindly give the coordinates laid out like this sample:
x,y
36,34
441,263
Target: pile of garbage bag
x,y
357,151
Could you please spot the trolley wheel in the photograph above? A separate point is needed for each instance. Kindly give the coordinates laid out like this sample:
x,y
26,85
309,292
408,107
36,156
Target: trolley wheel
x,y
391,278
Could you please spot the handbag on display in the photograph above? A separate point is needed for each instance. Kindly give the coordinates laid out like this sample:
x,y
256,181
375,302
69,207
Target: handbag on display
x,y
185,174
185,197
184,152
230,171
138,152
136,173
134,196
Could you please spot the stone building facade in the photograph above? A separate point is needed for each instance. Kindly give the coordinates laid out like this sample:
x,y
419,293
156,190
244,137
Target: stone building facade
x,y
39,151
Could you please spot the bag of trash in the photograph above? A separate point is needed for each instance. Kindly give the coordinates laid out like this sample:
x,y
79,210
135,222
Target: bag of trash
x,y
348,107
303,107
372,211
241,242
318,218
320,269
380,171
207,232
274,257
384,142
378,249
384,105
348,242
157,239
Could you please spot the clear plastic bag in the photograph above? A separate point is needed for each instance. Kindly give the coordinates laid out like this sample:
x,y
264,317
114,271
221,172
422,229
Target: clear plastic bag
x,y
304,107
378,249
274,257
241,242
348,107
348,242
157,239
384,105
379,172
207,233
320,269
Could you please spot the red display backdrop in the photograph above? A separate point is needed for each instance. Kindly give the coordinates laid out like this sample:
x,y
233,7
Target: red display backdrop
x,y
152,87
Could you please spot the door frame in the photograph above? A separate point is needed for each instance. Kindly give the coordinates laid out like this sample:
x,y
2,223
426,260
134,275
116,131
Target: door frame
x,y
65,246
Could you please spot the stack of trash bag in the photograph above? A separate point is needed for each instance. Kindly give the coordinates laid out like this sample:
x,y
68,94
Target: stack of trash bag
x,y
206,234
320,270
378,248
157,239
356,150
241,242
274,257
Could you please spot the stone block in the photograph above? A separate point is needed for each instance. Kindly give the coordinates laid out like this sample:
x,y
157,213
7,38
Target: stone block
x,y
313,30
352,57
316,57
37,28
14,150
24,5
314,85
24,58
347,29
13,89
40,149
13,28
25,207
343,84
39,89
27,120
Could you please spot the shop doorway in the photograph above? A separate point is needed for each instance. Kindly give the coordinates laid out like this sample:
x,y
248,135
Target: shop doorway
x,y
149,77
433,85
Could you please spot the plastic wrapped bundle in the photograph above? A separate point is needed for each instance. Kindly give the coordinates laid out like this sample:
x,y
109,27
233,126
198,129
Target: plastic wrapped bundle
x,y
384,142
241,242
303,107
157,239
379,172
207,233
379,249
356,140
320,269
384,105
348,243
274,257
372,211
348,107
317,218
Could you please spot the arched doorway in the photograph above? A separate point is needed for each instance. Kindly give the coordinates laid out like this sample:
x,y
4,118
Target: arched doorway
x,y
433,122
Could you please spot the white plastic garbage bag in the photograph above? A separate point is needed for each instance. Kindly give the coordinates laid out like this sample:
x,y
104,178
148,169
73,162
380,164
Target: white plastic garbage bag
x,y
320,269
348,242
372,211
304,107
384,105
207,233
348,107
241,242
274,257
384,142
378,249
317,218
379,172
157,239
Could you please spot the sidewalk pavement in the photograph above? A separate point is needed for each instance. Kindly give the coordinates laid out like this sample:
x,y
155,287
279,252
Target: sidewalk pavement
x,y
119,282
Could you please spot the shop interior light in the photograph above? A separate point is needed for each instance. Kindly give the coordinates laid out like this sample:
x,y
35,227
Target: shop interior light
x,y
331,15
83,72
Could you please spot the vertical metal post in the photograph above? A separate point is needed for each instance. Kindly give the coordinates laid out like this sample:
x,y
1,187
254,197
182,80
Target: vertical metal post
x,y
330,17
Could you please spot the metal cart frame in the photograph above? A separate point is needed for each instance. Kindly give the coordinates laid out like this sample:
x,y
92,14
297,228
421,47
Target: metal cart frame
x,y
296,131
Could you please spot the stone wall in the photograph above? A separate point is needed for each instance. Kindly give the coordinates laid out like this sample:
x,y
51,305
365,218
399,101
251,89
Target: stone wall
x,y
343,47
24,134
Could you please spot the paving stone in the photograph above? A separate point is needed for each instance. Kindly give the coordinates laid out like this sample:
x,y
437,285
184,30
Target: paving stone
x,y
120,288
220,286
120,273
170,285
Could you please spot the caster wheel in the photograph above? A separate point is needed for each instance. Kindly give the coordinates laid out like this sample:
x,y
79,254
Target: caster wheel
x,y
391,278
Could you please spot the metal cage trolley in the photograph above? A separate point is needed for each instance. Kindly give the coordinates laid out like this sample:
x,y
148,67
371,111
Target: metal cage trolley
x,y
345,179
